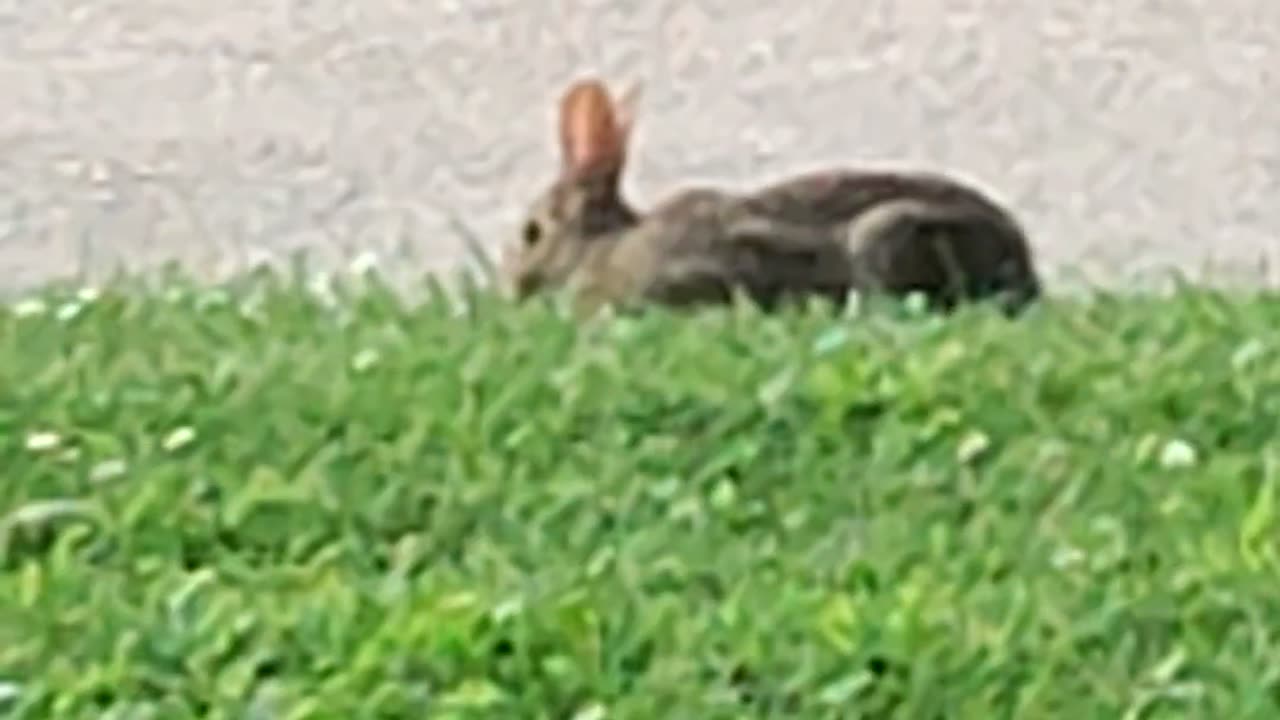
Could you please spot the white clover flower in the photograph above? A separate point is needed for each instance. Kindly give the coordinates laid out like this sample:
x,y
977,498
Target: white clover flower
x,y
1177,454
29,307
107,470
364,360
69,310
179,438
363,263
43,441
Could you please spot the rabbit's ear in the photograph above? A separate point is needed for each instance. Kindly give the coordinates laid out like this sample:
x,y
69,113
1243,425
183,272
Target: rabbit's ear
x,y
593,130
626,107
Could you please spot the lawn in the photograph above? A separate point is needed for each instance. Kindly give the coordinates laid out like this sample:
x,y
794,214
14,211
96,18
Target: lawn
x,y
250,502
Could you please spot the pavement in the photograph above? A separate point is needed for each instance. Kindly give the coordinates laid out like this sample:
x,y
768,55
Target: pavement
x,y
1133,137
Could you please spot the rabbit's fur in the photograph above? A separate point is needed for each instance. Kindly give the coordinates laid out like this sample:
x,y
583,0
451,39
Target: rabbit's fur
x,y
819,234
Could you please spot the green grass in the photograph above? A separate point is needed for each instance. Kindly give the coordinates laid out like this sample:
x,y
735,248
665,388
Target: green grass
x,y
250,504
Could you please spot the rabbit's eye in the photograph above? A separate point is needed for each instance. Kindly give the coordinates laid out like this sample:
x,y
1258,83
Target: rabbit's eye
x,y
532,233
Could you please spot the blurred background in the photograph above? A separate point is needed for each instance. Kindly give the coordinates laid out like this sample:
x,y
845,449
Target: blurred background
x,y
1131,136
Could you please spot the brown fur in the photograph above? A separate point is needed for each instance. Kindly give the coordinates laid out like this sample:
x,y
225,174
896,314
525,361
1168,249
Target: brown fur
x,y
817,234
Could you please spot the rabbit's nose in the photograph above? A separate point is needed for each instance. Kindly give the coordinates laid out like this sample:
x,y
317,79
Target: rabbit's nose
x,y
525,285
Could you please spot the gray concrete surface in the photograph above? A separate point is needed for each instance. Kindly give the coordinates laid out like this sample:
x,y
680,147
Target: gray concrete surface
x,y
1131,135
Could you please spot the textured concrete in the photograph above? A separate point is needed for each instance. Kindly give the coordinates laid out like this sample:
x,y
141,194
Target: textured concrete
x,y
1131,135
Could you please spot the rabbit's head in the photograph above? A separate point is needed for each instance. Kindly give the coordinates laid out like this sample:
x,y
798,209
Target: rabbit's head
x,y
583,205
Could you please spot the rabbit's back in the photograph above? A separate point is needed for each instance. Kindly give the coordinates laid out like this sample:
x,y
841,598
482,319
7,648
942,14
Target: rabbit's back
x,y
911,232
842,195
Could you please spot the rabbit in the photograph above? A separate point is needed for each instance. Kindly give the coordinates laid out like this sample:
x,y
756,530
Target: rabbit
x,y
821,234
